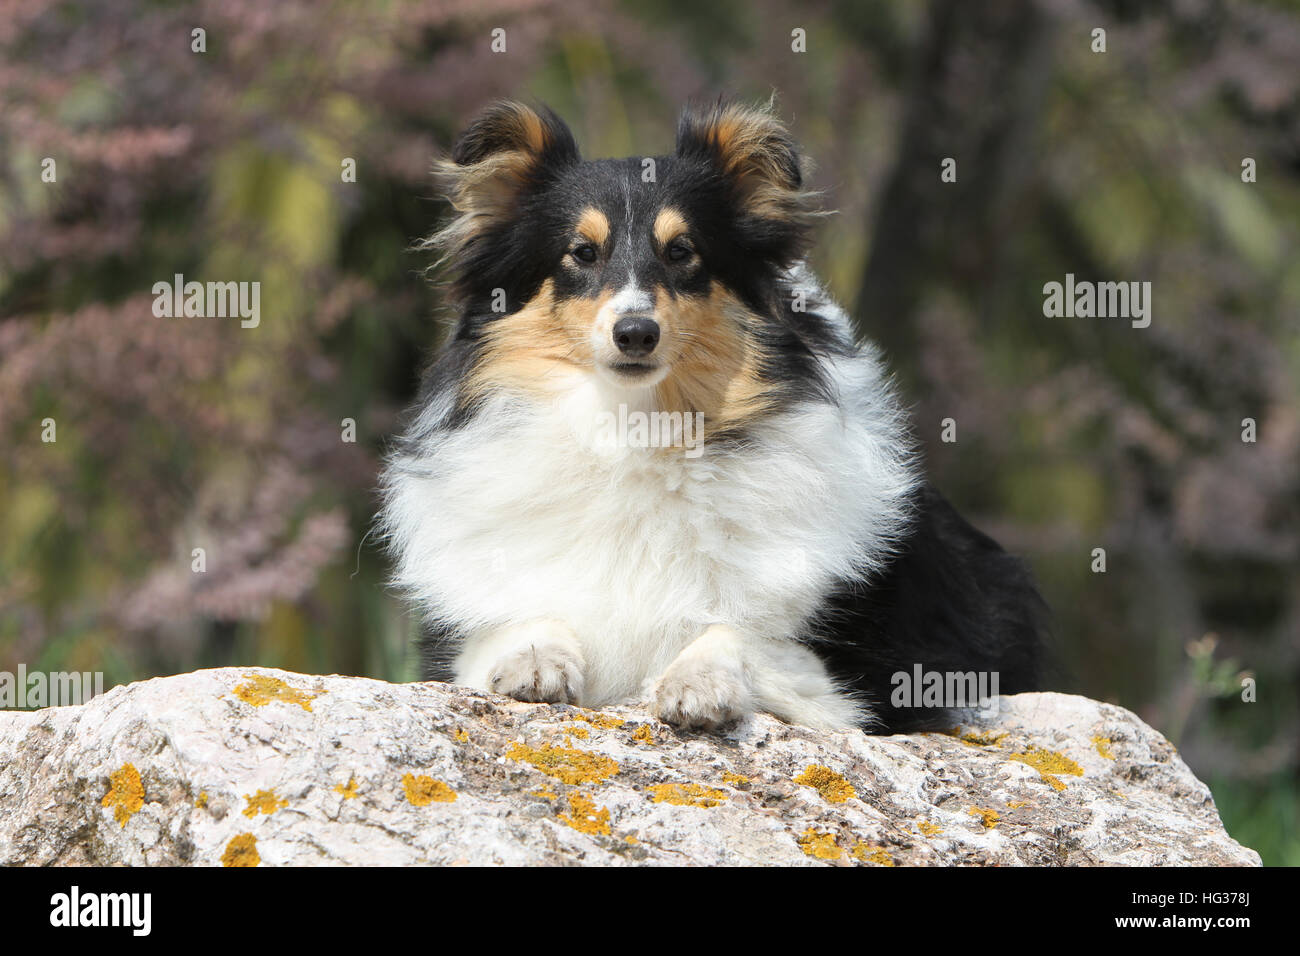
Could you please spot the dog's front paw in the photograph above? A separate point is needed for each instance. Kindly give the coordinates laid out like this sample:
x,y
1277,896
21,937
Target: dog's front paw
x,y
541,671
699,694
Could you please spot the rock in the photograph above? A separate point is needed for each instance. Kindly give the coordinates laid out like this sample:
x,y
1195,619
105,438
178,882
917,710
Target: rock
x,y
242,766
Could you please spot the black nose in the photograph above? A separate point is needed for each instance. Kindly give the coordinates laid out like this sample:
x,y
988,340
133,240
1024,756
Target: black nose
x,y
636,335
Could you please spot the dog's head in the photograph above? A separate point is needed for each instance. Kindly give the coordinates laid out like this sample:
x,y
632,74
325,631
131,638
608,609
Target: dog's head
x,y
650,273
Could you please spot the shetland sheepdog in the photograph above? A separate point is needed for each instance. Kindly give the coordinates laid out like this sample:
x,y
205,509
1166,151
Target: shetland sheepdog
x,y
652,464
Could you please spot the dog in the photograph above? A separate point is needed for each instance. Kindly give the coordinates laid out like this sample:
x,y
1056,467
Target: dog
x,y
651,463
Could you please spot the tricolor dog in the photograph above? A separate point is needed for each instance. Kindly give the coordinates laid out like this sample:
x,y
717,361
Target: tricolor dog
x,y
652,462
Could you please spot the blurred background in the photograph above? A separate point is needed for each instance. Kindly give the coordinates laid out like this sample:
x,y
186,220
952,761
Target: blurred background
x,y
1072,434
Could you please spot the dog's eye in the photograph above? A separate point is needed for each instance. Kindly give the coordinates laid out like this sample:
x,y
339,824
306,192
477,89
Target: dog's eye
x,y
584,253
678,251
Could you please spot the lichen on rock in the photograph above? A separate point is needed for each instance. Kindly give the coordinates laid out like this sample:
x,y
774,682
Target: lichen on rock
x,y
241,785
831,785
421,790
125,793
260,690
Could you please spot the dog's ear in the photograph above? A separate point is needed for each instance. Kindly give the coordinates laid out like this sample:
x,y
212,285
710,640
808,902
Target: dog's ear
x,y
507,150
760,160
529,136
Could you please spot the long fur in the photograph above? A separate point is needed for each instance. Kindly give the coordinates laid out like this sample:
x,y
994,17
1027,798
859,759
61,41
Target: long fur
x,y
796,565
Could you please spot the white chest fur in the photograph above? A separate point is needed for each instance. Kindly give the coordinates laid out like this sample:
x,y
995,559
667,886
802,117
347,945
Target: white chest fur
x,y
531,511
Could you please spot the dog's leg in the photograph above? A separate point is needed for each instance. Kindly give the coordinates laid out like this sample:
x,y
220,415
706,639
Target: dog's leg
x,y
537,661
725,674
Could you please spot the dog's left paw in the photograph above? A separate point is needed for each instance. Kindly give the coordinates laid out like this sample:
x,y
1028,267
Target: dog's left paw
x,y
699,694
545,673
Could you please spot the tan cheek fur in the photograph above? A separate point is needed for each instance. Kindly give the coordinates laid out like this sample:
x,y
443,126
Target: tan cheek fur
x,y
546,347
714,364
539,349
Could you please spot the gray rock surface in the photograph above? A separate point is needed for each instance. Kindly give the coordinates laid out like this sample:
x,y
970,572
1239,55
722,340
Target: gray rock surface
x,y
244,766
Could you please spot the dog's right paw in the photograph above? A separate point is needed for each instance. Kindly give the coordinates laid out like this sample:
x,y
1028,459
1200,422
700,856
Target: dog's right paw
x,y
701,695
545,670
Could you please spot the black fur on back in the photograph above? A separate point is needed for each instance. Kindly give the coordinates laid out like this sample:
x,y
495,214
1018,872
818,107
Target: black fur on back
x,y
951,601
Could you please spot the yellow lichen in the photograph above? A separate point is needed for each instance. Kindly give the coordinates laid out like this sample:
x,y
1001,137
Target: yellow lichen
x,y
585,817
687,794
125,793
601,721
988,817
832,787
1103,747
735,779
348,792
1049,765
1017,804
545,793
422,791
582,733
241,851
265,802
644,734
461,736
928,829
202,800
988,738
631,839
260,690
566,764
867,853
820,845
